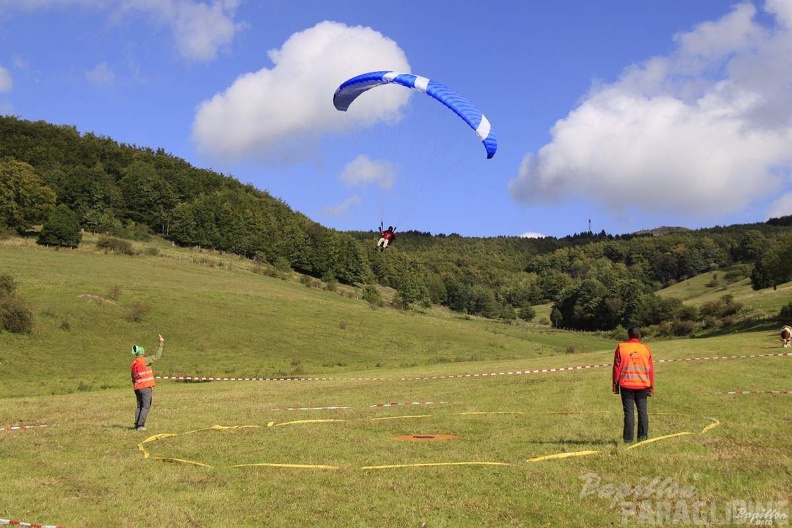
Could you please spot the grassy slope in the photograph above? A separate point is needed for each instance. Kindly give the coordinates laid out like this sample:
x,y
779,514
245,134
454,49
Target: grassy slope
x,y
710,287
221,319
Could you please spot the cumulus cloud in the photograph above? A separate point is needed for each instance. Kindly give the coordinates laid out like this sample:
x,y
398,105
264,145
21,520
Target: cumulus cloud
x,y
200,29
532,235
702,132
100,74
363,170
279,112
342,208
6,82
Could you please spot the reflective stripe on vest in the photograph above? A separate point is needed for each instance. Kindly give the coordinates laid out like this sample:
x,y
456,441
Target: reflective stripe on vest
x,y
142,375
634,367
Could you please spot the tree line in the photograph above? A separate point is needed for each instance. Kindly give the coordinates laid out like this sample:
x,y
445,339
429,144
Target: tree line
x,y
67,181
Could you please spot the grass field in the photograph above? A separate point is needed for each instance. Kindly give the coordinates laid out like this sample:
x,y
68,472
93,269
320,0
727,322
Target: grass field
x,y
240,453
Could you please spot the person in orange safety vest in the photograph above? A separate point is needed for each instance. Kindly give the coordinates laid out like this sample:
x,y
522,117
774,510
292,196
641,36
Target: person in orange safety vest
x,y
143,381
633,378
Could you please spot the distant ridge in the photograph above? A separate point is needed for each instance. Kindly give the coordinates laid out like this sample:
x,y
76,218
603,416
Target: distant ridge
x,y
657,231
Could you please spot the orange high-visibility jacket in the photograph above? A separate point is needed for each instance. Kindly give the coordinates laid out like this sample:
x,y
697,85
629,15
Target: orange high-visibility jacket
x,y
142,374
633,367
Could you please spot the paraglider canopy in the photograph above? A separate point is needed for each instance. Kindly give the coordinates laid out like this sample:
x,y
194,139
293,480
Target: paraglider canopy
x,y
352,88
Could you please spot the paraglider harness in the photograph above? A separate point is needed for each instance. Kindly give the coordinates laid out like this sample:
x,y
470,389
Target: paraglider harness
x,y
387,236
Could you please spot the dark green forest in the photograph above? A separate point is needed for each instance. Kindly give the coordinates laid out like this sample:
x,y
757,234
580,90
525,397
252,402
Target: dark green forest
x,y
66,181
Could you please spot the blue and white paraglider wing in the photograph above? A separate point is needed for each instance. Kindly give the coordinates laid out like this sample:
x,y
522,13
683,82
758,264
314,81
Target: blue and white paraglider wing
x,y
354,87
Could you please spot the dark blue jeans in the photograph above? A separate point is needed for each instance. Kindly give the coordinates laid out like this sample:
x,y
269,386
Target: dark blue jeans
x,y
632,398
143,397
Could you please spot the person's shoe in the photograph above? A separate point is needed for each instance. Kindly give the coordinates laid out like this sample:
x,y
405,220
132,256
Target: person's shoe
x,y
141,428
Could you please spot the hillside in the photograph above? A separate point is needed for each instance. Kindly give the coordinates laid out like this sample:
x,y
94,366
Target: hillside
x,y
224,316
133,193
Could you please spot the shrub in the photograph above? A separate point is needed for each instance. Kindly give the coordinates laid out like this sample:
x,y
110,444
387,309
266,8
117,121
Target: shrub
x,y
786,310
526,313
8,285
683,328
282,264
15,315
138,312
114,293
62,229
372,295
115,245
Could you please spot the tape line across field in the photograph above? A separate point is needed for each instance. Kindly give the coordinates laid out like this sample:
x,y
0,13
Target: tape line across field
x,y
458,376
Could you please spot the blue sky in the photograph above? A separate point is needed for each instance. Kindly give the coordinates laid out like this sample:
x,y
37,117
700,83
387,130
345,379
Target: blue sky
x,y
628,115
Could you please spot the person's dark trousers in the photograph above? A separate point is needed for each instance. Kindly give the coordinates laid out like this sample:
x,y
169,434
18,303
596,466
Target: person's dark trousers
x,y
143,405
632,398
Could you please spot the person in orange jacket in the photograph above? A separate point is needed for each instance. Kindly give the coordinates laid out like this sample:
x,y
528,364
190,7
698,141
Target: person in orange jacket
x,y
143,381
633,378
386,237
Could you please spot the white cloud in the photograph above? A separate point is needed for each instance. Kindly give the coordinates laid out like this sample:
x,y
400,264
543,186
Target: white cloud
x,y
200,29
363,170
100,74
280,112
531,234
342,208
702,132
6,82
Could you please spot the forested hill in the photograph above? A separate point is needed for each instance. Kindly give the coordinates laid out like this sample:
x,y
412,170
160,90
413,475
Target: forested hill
x,y
132,192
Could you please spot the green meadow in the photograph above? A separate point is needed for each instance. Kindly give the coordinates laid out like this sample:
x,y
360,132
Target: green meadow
x,y
324,443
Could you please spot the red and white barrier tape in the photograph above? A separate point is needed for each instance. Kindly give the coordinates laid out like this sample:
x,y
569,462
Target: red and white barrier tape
x,y
20,428
458,376
6,522
211,378
759,392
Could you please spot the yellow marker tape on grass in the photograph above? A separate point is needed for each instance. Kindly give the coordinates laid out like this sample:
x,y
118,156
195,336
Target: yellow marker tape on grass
x,y
658,438
296,466
152,439
715,423
161,436
432,464
562,455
